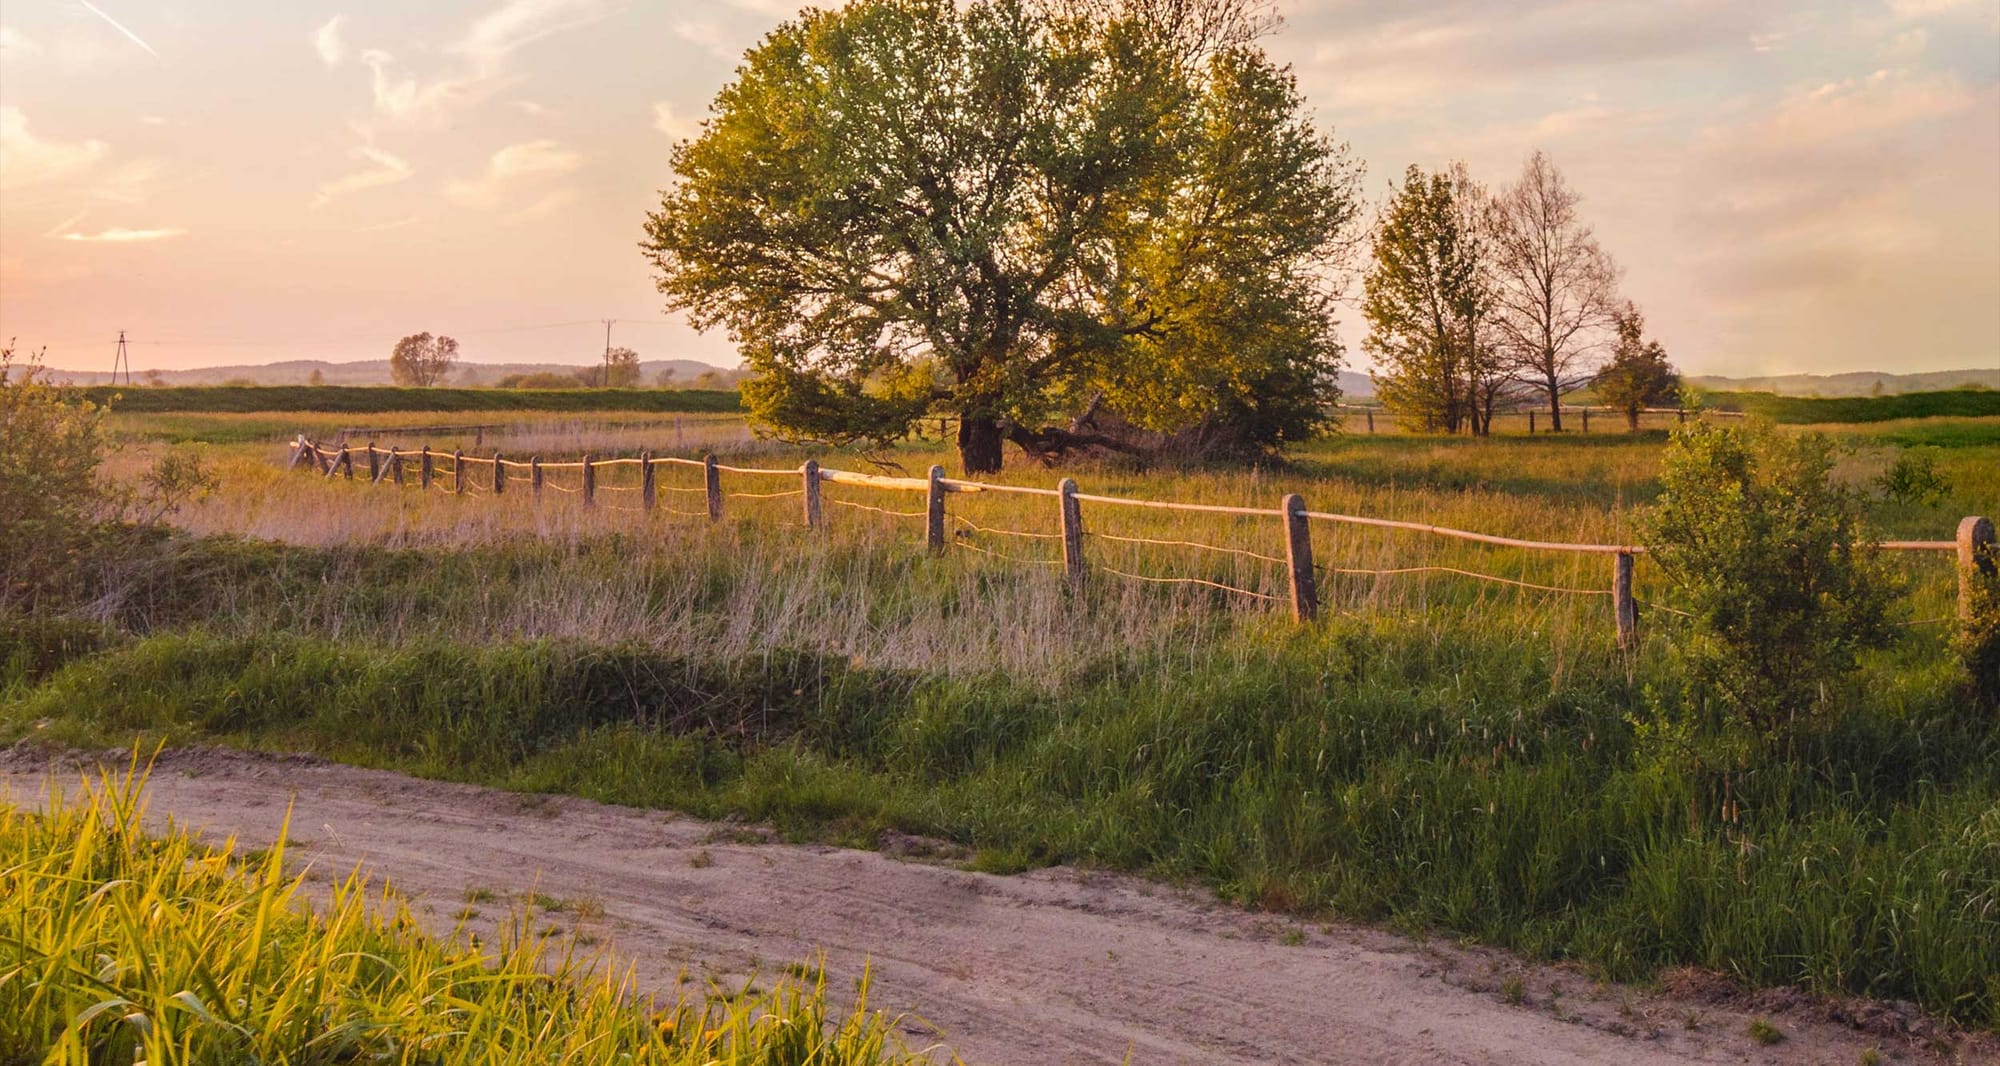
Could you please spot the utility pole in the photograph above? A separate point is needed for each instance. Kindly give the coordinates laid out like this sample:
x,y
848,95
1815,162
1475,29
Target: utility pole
x,y
605,381
123,358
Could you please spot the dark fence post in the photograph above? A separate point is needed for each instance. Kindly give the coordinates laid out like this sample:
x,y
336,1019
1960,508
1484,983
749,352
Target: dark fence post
x,y
1299,553
1072,533
1978,558
535,476
589,481
810,472
424,469
934,511
1531,422
499,475
1623,605
396,466
1586,419
457,472
648,485
374,464
712,480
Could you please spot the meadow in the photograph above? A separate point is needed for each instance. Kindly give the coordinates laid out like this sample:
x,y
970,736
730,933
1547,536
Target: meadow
x,y
1437,752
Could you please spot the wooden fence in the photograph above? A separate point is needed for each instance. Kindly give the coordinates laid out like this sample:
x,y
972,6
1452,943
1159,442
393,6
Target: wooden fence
x,y
1974,544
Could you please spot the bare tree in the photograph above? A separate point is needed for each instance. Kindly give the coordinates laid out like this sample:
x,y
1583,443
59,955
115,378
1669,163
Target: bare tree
x,y
422,360
1556,289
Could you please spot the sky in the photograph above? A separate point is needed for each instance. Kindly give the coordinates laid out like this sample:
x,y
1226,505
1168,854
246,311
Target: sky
x,y
1788,187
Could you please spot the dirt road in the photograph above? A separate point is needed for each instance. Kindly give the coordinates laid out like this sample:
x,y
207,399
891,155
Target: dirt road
x,y
1049,967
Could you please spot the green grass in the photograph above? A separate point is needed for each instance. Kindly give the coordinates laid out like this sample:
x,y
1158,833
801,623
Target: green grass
x,y
123,947
1951,403
357,399
1475,783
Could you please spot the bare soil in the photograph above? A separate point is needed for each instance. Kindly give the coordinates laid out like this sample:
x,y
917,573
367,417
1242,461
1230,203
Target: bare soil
x,y
1055,966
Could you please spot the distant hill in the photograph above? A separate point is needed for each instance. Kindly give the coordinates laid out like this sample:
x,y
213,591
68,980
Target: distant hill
x,y
1860,383
376,372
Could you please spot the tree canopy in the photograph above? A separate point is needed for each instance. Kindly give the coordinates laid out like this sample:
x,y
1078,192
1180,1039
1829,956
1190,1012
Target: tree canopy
x,y
1638,374
1017,213
422,360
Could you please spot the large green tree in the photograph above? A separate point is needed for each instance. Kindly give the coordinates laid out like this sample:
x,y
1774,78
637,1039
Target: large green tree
x,y
1014,212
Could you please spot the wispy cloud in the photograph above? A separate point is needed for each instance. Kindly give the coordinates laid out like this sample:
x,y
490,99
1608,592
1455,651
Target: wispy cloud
x,y
120,235
676,126
119,26
387,170
513,169
26,159
16,44
328,42
481,56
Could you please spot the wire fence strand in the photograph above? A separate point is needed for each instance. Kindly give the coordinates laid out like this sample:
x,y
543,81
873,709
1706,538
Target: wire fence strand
x,y
1190,581
1189,544
1463,573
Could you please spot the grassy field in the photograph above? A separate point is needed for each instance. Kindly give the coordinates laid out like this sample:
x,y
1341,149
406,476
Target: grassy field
x,y
122,947
375,399
1439,753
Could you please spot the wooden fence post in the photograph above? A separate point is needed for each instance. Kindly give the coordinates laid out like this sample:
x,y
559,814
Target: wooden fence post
x,y
535,476
1681,415
934,511
333,467
1531,422
1978,558
649,491
499,475
711,479
298,452
589,480
1586,419
396,466
1299,553
374,464
810,472
1371,420
1072,533
1623,605
346,463
424,468
457,472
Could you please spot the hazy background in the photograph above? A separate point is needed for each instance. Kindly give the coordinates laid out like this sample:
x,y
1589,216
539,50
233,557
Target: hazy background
x,y
1789,186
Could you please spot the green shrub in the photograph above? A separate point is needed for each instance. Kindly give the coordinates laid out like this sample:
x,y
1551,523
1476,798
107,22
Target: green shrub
x,y
51,442
1915,479
1771,559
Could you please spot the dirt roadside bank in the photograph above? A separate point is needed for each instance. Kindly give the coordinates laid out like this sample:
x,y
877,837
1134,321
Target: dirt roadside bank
x,y
1049,967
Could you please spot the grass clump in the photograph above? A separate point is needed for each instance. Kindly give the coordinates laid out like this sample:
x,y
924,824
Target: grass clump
x,y
124,947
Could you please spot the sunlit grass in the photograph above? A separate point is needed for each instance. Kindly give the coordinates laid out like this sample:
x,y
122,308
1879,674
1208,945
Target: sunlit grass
x,y
120,946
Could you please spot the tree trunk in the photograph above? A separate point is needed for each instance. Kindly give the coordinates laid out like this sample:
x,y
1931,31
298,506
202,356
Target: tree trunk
x,y
1555,406
979,441
1632,418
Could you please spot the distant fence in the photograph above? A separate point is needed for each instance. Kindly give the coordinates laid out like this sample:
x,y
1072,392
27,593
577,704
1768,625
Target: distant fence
x,y
1974,545
1361,416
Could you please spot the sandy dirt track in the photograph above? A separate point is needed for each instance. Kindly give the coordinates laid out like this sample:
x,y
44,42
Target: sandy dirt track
x,y
1049,967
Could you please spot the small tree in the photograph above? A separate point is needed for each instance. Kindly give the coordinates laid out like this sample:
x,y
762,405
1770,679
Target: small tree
x,y
422,360
51,441
1638,375
1556,287
317,377
1772,561
1425,301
